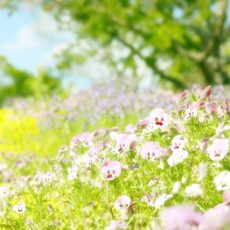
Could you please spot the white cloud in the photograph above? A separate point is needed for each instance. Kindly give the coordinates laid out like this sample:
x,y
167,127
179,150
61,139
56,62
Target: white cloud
x,y
45,26
32,43
25,39
36,34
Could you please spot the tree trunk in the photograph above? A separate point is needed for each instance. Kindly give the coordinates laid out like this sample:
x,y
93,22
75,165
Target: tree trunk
x,y
150,62
207,73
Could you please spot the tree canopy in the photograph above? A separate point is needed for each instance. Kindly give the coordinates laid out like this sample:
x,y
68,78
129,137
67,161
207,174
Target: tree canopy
x,y
20,83
192,36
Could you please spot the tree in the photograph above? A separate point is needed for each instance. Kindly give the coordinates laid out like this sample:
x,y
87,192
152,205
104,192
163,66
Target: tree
x,y
19,83
192,34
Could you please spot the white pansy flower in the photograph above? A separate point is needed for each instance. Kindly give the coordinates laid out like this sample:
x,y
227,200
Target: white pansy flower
x,y
122,203
3,166
178,143
176,187
161,165
3,207
153,181
159,202
218,149
19,208
4,192
72,153
45,178
194,190
2,213
202,171
183,180
72,173
222,181
177,157
149,199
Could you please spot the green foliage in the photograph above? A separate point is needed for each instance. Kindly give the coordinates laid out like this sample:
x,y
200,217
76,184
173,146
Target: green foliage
x,y
87,202
82,205
20,83
194,35
19,130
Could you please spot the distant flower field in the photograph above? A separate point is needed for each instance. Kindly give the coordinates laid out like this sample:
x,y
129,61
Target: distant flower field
x,y
115,158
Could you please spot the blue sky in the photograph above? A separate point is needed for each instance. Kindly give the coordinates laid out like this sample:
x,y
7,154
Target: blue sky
x,y
20,42
28,38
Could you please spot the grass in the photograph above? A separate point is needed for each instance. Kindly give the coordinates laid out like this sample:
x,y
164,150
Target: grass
x,y
88,201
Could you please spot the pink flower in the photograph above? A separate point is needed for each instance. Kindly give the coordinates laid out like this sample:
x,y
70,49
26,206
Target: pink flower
x,y
178,143
125,143
143,123
95,150
106,144
111,170
178,125
184,95
218,149
158,119
203,144
226,106
151,151
211,108
226,197
201,104
216,218
206,92
192,111
98,133
180,218
82,139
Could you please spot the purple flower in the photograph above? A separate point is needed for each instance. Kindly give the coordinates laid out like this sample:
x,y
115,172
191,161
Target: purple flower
x,y
216,218
226,197
206,92
211,108
143,123
180,218
81,139
192,111
178,143
111,170
218,149
151,151
158,119
125,142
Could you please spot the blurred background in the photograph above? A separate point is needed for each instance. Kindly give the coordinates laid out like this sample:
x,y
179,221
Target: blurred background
x,y
60,46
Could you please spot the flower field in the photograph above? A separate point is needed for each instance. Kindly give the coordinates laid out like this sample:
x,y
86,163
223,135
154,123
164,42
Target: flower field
x,y
113,158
